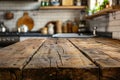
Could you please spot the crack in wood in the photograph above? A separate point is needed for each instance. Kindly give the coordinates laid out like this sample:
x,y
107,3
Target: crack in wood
x,y
60,56
29,59
49,57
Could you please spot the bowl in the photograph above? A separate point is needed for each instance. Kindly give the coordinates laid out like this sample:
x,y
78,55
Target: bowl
x,y
55,3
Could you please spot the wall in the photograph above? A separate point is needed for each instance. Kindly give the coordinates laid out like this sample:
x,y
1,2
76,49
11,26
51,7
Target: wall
x,y
108,23
40,17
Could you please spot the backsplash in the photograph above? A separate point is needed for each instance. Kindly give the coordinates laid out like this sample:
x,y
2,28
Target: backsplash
x,y
40,17
108,23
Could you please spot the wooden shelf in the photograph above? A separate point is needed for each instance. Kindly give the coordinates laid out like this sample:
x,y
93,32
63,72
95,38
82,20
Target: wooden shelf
x,y
62,7
104,11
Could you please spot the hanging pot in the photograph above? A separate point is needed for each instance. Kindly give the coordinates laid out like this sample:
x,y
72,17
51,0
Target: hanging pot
x,y
8,15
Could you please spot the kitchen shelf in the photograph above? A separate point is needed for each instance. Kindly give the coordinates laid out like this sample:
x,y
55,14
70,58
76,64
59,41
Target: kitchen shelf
x,y
62,7
19,0
104,11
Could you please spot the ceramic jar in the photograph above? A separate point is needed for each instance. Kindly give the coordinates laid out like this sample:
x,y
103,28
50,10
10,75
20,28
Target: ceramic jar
x,y
23,28
44,30
50,28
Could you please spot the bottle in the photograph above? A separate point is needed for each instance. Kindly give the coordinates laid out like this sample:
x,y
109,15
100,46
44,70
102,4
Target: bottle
x,y
42,3
110,3
78,3
69,26
64,28
118,2
84,2
75,28
96,7
46,2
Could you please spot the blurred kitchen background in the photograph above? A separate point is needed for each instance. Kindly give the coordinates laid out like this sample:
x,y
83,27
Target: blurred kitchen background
x,y
107,23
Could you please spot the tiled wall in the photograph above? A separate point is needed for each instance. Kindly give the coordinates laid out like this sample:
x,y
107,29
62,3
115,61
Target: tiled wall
x,y
108,23
40,17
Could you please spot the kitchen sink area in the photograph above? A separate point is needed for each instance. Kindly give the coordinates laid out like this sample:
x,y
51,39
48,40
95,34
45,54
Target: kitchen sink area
x,y
73,35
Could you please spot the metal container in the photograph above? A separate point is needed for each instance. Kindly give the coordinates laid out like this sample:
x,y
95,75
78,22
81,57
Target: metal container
x,y
3,28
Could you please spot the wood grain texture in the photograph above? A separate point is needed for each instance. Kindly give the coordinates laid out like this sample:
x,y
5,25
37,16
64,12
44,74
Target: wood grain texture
x,y
106,56
58,59
15,57
61,59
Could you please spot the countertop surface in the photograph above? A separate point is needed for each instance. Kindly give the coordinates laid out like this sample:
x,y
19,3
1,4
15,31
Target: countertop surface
x,y
24,34
63,58
35,34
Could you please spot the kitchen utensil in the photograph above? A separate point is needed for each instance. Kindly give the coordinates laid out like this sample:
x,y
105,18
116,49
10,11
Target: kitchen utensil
x,y
23,28
8,15
25,20
3,28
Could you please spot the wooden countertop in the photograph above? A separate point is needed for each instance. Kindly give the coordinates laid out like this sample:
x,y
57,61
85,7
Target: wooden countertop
x,y
61,59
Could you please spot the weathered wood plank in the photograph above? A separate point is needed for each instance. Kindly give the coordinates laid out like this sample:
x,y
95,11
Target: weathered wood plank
x,y
109,47
107,41
80,67
58,59
105,56
10,74
15,57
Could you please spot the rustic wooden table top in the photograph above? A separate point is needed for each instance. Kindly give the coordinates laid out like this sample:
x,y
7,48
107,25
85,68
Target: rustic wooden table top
x,y
68,58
